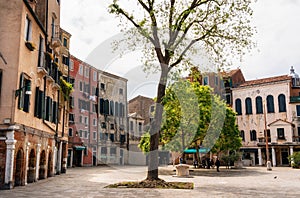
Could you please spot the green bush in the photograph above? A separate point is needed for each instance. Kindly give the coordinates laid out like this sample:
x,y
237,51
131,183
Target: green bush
x,y
295,160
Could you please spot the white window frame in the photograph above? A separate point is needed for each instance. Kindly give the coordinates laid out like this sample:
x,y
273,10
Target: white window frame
x,y
87,72
28,29
95,76
80,71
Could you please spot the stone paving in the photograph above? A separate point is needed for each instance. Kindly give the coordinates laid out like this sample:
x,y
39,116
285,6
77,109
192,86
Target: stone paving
x,y
90,182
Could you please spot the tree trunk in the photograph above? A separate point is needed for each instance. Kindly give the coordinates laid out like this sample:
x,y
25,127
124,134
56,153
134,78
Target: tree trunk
x,y
155,129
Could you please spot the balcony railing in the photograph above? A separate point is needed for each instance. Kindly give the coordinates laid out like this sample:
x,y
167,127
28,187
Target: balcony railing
x,y
55,38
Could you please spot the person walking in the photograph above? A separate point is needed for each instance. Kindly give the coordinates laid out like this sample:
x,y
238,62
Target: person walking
x,y
217,164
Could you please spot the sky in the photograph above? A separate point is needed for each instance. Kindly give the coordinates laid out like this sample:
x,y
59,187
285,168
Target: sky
x,y
278,40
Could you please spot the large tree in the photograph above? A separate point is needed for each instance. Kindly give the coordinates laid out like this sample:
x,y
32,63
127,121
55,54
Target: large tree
x,y
172,28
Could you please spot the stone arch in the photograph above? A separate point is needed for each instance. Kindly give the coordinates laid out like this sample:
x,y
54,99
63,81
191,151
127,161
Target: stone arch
x,y
19,176
50,165
42,167
31,166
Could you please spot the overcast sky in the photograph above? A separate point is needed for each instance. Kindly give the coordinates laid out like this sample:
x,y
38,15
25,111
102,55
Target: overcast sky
x,y
277,22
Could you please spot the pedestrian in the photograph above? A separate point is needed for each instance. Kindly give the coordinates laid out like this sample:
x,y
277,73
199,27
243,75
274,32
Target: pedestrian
x,y
195,163
212,163
203,163
218,164
208,163
181,160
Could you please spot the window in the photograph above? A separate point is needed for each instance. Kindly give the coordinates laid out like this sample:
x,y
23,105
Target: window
x,y
103,125
49,109
103,151
228,98
85,134
112,137
116,109
53,28
281,103
80,86
101,105
94,122
80,119
41,53
122,139
81,69
94,135
80,133
270,104
259,105
95,76
102,136
242,134
113,151
106,107
121,91
87,72
86,88
140,127
65,41
298,110
71,65
24,92
253,135
280,133
39,103
112,126
216,80
205,80
238,106
71,117
54,112
65,60
86,120
248,106
28,29
94,107
102,86
70,132
71,102
111,109
131,125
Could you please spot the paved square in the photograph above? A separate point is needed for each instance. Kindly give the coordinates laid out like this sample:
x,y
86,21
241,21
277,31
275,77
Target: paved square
x,y
90,182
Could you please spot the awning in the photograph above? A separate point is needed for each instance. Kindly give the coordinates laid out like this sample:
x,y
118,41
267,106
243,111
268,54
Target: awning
x,y
192,150
79,148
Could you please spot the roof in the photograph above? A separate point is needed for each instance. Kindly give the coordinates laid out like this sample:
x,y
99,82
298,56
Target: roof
x,y
293,125
265,80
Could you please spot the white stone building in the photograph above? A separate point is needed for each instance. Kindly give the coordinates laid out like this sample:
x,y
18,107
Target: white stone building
x,y
272,104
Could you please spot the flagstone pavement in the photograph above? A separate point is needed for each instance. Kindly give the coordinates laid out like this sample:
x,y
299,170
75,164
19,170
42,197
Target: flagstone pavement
x,y
89,182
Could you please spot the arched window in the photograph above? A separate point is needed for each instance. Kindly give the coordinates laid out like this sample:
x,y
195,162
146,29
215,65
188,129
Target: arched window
x,y
242,134
281,103
238,106
259,105
253,135
116,109
248,106
270,104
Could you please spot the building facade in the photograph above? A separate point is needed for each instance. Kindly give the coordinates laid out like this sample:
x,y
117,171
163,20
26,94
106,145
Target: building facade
x,y
83,120
113,119
267,116
32,139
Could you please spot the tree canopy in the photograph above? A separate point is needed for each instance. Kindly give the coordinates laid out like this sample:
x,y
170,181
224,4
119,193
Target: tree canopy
x,y
173,32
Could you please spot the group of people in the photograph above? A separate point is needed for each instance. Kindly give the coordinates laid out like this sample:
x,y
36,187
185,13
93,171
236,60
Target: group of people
x,y
207,163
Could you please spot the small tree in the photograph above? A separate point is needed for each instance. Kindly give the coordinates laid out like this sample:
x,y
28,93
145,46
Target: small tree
x,y
295,160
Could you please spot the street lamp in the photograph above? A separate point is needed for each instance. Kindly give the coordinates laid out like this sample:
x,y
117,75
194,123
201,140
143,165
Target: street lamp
x,y
269,166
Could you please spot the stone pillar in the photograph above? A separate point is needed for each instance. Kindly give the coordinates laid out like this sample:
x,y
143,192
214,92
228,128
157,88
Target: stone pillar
x,y
259,157
9,164
26,161
273,156
291,153
59,157
37,163
54,160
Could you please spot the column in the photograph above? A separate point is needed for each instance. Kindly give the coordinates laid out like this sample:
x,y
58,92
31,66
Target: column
x,y
26,160
37,163
9,164
54,160
273,156
291,153
259,157
58,162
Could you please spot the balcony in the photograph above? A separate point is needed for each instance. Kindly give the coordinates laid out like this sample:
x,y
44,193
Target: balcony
x,y
295,99
55,39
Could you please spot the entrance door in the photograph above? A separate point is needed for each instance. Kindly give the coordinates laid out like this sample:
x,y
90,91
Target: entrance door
x,y
19,169
285,160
